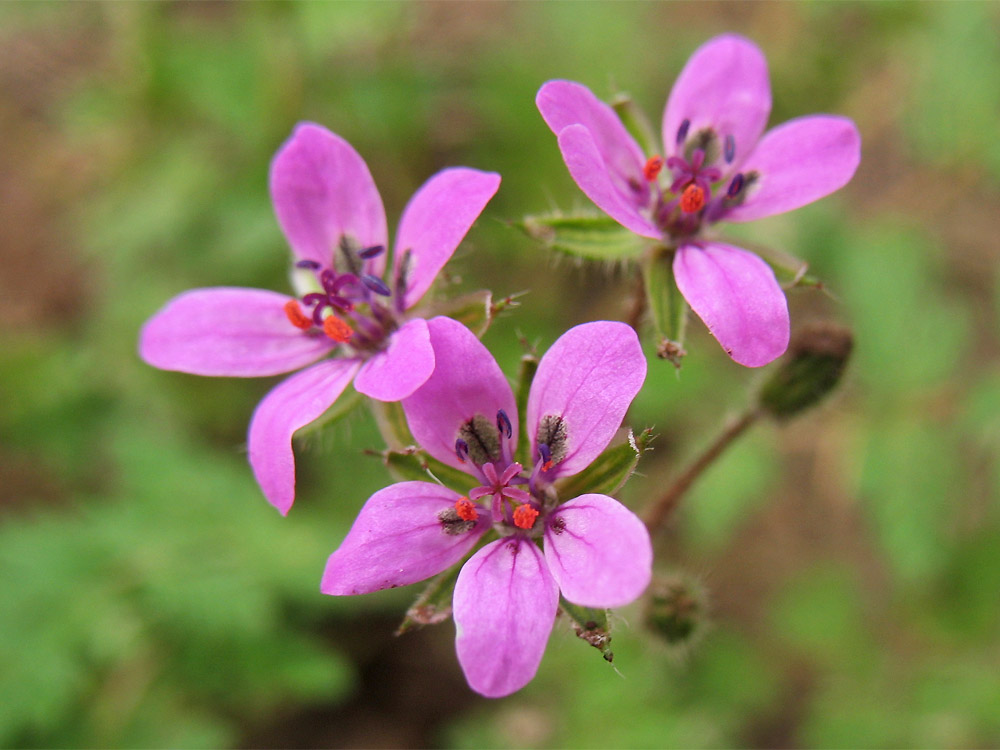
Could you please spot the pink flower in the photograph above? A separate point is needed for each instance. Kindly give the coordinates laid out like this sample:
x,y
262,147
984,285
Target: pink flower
x,y
596,551
715,166
332,215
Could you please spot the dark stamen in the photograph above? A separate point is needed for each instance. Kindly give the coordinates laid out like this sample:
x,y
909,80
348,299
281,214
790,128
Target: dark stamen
x,y
735,186
461,450
503,424
543,450
682,131
376,285
371,252
730,149
310,264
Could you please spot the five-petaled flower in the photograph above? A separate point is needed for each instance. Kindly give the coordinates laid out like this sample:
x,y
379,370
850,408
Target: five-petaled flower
x,y
332,215
715,166
596,551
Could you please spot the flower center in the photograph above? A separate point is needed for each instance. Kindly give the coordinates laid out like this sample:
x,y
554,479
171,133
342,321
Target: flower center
x,y
348,309
516,501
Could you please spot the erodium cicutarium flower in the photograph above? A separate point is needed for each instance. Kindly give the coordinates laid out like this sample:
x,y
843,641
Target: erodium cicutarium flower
x,y
594,550
332,215
714,166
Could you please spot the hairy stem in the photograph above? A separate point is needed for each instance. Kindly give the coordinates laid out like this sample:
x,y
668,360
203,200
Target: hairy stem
x,y
661,510
637,308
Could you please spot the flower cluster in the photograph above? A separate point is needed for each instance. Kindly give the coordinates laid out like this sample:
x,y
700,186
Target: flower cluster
x,y
714,166
332,215
596,551
525,539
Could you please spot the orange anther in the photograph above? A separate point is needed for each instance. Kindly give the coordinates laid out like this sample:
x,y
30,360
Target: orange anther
x,y
548,465
652,168
337,329
692,199
524,516
295,315
466,509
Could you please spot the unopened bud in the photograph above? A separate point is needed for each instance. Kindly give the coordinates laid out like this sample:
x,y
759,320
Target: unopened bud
x,y
677,610
810,369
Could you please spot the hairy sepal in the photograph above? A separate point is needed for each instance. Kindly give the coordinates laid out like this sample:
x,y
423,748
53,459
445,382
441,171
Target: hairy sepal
x,y
609,471
413,464
591,625
667,307
589,236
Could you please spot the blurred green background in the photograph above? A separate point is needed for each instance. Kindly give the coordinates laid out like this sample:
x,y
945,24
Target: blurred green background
x,y
149,596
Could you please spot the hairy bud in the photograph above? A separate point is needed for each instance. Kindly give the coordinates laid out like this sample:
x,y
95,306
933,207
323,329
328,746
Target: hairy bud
x,y
812,367
677,610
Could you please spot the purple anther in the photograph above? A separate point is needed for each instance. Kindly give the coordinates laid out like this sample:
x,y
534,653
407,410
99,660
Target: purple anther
x,y
729,150
310,264
735,186
376,285
371,252
461,450
503,424
544,451
682,131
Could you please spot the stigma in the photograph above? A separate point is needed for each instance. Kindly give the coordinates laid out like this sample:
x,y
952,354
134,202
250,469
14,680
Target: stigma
x,y
524,517
337,329
652,168
293,310
692,199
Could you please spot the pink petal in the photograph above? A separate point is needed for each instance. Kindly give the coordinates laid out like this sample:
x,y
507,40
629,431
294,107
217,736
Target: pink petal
x,y
737,296
799,162
467,381
504,608
724,86
322,189
588,378
399,539
293,403
435,221
396,372
228,331
598,551
565,103
594,178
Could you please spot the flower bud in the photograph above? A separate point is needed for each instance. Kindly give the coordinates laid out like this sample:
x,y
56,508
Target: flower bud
x,y
811,368
678,610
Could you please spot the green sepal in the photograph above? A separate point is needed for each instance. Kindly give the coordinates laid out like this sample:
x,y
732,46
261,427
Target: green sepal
x,y
609,471
667,307
788,270
391,422
343,406
474,310
591,625
592,236
529,366
636,123
433,606
413,464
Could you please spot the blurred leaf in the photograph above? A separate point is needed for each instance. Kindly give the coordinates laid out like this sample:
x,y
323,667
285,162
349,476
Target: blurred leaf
x,y
908,482
820,612
730,490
